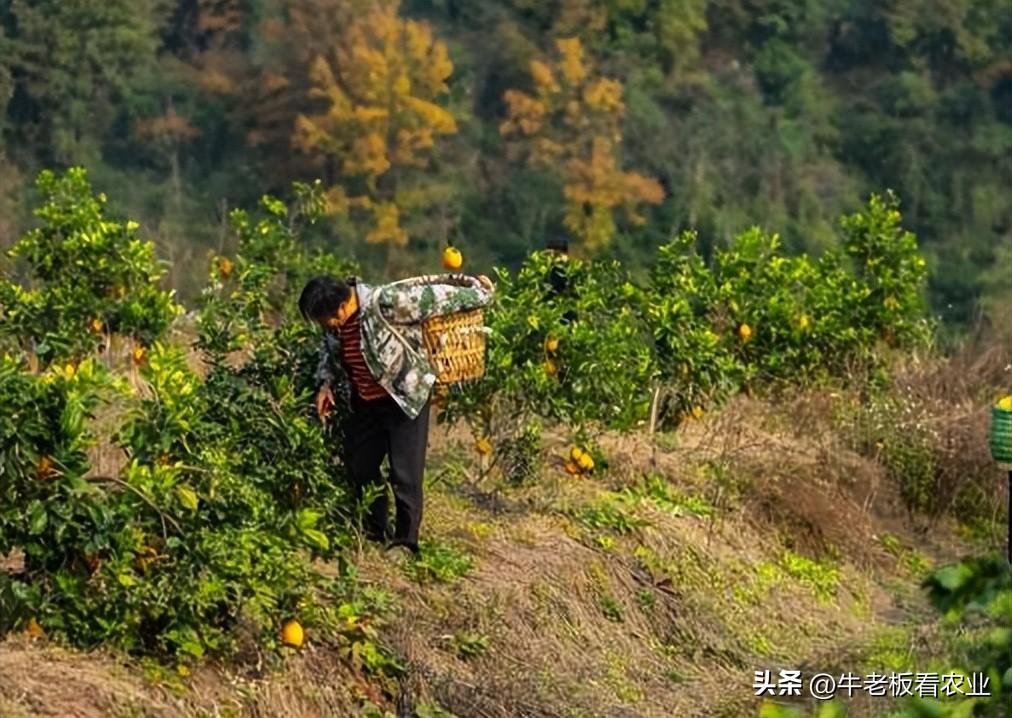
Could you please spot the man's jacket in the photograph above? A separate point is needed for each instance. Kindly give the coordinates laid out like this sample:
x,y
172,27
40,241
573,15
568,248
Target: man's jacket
x,y
392,345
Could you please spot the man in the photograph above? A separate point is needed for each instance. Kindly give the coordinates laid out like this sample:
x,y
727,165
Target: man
x,y
373,353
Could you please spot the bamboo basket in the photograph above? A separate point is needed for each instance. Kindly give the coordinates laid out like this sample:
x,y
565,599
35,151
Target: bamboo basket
x,y
456,345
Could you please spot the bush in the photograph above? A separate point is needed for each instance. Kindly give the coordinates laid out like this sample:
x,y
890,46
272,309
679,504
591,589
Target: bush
x,y
90,277
755,317
579,356
206,538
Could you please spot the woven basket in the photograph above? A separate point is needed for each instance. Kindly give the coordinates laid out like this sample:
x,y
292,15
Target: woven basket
x,y
456,346
1001,435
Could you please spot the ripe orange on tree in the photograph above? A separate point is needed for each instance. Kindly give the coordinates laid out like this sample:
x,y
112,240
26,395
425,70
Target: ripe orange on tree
x,y
45,468
225,267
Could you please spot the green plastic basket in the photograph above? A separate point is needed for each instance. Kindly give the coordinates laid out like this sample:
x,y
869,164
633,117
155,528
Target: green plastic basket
x,y
1001,435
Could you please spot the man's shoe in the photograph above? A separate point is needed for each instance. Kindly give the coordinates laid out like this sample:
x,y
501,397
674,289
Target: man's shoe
x,y
402,546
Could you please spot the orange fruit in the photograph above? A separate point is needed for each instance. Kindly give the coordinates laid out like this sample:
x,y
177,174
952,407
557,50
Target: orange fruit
x,y
452,259
745,332
45,469
572,468
33,629
292,634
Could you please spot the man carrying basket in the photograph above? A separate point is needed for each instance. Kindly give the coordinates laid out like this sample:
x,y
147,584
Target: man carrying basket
x,y
377,354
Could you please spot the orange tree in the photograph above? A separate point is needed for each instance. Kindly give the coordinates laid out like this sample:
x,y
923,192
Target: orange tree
x,y
696,367
754,316
88,276
581,357
207,533
891,272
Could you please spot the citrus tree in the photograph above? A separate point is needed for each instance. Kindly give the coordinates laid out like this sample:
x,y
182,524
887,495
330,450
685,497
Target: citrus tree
x,y
578,355
206,537
87,276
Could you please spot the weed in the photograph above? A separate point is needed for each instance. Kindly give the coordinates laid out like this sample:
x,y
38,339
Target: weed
x,y
655,489
909,559
432,710
609,514
625,689
469,645
646,599
760,644
890,651
821,579
438,561
611,608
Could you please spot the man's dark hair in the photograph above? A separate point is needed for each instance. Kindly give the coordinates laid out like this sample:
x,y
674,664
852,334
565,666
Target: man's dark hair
x,y
322,296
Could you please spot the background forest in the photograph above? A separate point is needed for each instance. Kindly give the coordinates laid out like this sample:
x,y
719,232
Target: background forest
x,y
499,124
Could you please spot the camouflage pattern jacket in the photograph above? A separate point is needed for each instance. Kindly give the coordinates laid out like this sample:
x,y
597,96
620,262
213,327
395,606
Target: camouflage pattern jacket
x,y
392,345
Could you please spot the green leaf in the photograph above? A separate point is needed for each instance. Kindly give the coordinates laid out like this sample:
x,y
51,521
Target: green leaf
x,y
38,518
317,538
187,497
307,519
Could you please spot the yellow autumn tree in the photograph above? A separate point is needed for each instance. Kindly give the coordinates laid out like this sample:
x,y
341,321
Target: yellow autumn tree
x,y
379,89
572,125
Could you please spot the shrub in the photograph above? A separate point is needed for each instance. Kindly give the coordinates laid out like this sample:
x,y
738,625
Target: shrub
x,y
90,276
598,372
205,539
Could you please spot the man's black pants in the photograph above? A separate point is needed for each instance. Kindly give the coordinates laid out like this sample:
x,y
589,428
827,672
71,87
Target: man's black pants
x,y
380,428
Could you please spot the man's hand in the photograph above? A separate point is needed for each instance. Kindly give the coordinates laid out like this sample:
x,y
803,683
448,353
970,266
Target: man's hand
x,y
324,401
486,282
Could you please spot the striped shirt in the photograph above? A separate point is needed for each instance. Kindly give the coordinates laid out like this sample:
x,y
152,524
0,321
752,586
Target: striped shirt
x,y
364,383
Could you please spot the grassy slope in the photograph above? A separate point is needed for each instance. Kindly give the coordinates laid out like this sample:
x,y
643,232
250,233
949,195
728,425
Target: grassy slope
x,y
766,546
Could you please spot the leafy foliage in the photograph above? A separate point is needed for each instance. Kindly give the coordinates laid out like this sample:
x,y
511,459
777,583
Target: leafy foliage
x,y
599,370
204,539
91,276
